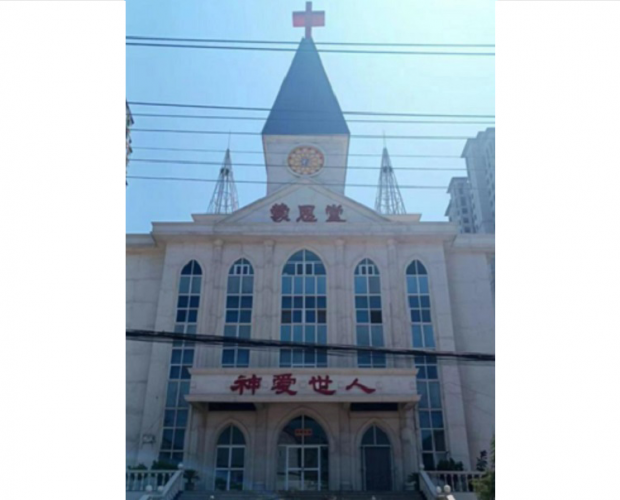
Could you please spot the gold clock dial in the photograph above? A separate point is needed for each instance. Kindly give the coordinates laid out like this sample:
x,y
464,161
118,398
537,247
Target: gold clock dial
x,y
306,160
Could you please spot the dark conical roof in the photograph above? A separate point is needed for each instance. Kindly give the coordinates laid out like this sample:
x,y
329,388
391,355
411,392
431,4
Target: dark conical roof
x,y
306,103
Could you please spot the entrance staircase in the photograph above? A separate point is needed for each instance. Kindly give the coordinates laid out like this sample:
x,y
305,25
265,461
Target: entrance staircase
x,y
301,495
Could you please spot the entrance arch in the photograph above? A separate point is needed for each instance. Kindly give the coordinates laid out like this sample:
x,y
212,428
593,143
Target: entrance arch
x,y
303,456
376,453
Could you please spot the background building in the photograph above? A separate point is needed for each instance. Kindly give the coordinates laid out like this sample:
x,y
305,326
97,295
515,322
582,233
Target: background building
x,y
460,207
479,154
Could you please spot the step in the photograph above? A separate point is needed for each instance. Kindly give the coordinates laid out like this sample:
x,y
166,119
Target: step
x,y
301,495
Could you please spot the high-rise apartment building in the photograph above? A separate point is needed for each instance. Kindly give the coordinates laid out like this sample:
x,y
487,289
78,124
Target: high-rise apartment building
x,y
460,208
479,154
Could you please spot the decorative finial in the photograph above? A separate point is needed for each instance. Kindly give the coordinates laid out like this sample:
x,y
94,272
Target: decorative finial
x,y
308,19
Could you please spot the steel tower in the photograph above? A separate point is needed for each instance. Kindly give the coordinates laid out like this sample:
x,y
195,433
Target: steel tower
x,y
224,199
389,200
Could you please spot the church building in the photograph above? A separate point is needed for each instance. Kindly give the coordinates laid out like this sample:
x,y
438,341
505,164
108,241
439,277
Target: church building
x,y
306,264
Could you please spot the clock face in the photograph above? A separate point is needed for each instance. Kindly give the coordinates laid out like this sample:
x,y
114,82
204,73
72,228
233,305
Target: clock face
x,y
306,160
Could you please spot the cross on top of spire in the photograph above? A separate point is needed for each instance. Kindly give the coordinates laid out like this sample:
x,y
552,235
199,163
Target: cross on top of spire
x,y
308,18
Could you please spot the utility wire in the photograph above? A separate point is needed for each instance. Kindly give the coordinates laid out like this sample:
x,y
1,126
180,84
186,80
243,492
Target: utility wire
x,y
283,42
261,165
356,136
248,108
258,118
333,51
222,151
263,343
374,186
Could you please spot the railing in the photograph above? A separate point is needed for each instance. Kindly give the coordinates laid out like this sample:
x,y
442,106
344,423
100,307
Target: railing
x,y
427,487
139,480
168,492
459,482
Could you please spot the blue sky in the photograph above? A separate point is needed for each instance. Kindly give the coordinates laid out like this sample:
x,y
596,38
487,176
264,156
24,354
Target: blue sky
x,y
417,84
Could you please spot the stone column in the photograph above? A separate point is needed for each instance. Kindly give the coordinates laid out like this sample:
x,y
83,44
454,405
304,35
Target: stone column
x,y
347,457
211,356
194,455
399,333
261,449
265,301
408,440
341,335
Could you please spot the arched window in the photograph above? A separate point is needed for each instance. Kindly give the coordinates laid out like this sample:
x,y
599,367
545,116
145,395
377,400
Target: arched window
x,y
230,460
303,454
181,360
238,320
368,314
430,408
376,460
304,309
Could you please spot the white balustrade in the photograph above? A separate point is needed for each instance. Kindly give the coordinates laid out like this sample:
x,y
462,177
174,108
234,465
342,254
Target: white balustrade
x,y
139,480
427,487
168,491
459,481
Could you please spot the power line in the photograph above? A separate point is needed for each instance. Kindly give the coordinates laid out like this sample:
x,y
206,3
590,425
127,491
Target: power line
x,y
189,179
356,136
222,151
279,344
283,42
333,51
258,118
249,108
261,165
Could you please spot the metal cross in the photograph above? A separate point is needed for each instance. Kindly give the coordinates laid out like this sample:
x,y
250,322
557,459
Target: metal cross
x,y
308,18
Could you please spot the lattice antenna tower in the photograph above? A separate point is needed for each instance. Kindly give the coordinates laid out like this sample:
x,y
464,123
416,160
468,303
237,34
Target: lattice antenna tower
x,y
224,199
389,200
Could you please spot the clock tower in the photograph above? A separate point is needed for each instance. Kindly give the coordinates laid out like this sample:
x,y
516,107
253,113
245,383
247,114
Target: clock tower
x,y
306,135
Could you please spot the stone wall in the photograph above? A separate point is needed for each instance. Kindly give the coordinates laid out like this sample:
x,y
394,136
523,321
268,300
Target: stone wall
x,y
143,282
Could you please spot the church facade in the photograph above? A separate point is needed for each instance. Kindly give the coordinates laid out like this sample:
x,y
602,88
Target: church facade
x,y
308,265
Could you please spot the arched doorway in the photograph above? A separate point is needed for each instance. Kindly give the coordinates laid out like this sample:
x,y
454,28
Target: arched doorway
x,y
303,453
376,460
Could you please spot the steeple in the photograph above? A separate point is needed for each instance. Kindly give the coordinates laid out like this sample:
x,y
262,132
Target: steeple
x,y
389,200
224,199
306,103
306,135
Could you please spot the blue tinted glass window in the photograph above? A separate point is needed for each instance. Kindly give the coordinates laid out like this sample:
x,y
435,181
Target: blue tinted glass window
x,y
303,305
181,360
238,314
423,336
367,287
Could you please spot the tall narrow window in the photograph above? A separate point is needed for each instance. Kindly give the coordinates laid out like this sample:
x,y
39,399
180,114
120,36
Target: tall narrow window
x,y
230,460
182,359
430,407
368,314
238,320
304,310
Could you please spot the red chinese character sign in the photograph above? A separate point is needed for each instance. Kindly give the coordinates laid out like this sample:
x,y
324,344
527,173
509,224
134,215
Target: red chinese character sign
x,y
279,212
250,383
321,385
356,383
282,384
334,212
306,213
